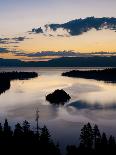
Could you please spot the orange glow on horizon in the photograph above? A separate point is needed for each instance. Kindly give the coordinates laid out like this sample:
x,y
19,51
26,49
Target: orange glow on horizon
x,y
92,41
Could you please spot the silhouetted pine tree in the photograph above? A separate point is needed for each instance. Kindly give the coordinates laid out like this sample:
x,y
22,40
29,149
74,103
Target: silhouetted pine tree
x,y
97,137
45,135
1,129
7,129
112,144
86,136
26,127
72,150
46,142
104,143
18,132
1,134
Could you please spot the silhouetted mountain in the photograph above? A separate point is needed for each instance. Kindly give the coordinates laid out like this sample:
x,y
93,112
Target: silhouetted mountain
x,y
92,61
10,62
95,61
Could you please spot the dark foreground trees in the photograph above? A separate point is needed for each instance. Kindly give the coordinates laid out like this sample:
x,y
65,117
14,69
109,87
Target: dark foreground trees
x,y
93,142
23,140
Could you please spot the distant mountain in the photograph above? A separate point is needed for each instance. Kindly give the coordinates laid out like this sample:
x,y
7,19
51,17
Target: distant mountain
x,y
10,62
92,61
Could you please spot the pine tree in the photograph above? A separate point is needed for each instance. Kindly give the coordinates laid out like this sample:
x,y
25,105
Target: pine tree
x,y
7,129
1,129
18,130
45,135
104,141
111,143
26,127
86,136
72,150
97,137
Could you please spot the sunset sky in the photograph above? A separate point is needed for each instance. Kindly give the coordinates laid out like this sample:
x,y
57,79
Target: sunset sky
x,y
19,17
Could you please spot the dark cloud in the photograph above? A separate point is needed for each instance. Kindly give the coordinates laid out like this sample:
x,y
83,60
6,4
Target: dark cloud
x,y
14,40
79,26
4,40
3,50
19,39
48,53
40,54
15,46
37,30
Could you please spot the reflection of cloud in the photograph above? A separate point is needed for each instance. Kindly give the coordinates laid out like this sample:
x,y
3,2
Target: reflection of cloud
x,y
83,105
46,112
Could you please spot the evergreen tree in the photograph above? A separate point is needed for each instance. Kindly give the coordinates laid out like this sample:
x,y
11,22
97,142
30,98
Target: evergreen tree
x,y
86,136
46,144
72,150
45,135
18,130
1,129
7,129
1,133
26,127
112,143
104,142
97,137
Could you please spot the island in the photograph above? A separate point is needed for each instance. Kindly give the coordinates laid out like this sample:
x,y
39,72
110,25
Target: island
x,y
58,97
107,75
6,77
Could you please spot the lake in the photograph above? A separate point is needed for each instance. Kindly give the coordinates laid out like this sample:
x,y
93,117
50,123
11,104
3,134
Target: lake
x,y
91,101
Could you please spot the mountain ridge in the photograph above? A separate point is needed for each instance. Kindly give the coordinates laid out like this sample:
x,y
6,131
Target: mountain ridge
x,y
92,61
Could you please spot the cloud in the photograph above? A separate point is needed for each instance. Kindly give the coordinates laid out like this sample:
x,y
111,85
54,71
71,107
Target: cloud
x,y
14,40
97,106
37,30
38,56
48,53
3,50
4,40
20,39
79,26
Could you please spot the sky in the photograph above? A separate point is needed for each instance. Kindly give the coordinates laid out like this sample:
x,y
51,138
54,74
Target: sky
x,y
19,17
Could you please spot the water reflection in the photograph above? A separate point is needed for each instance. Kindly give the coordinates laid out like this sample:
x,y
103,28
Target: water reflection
x,y
91,101
6,77
83,105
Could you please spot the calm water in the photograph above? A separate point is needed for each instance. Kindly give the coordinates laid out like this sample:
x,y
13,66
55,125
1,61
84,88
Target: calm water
x,y
92,101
